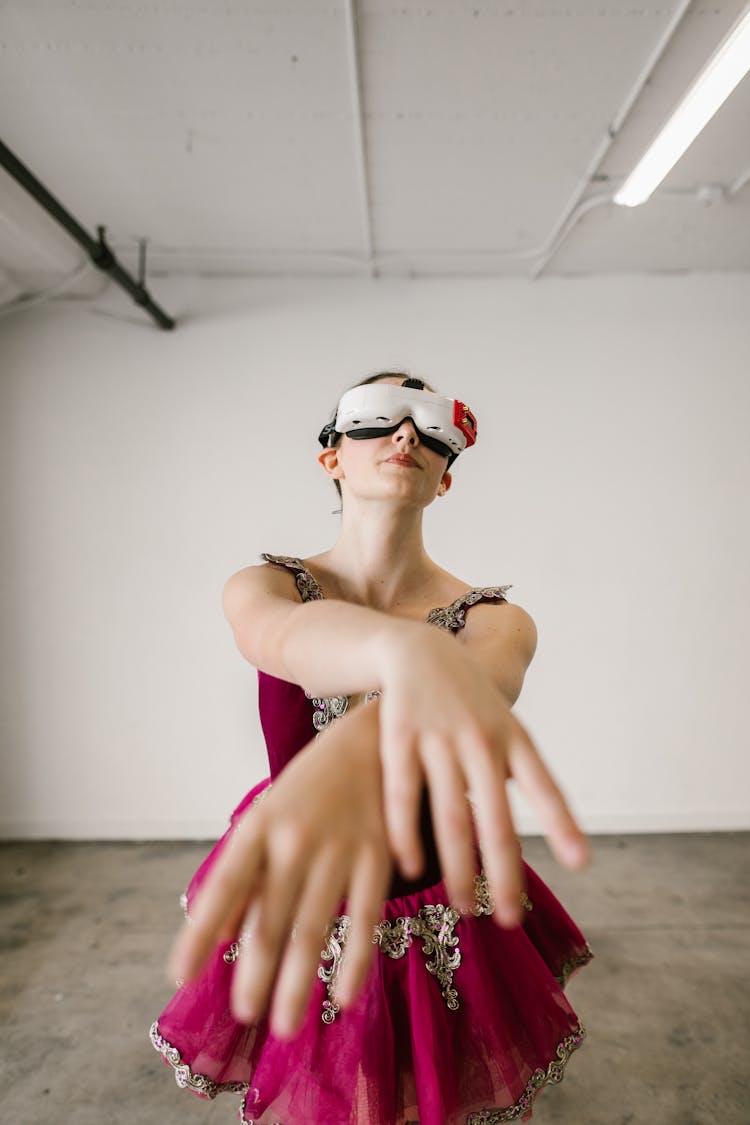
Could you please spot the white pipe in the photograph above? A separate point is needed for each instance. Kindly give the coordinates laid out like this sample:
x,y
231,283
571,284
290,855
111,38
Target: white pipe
x,y
359,133
572,211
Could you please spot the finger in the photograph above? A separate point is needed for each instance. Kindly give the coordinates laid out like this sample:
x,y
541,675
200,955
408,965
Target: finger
x,y
267,928
368,889
497,838
298,973
451,819
403,779
220,902
568,842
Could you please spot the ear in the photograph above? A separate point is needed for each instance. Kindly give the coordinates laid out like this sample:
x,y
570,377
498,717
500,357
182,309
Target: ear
x,y
329,459
446,482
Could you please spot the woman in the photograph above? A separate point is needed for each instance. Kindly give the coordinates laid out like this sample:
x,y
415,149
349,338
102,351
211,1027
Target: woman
x,y
397,994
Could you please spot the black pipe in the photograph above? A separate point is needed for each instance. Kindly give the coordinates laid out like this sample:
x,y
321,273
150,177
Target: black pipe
x,y
99,251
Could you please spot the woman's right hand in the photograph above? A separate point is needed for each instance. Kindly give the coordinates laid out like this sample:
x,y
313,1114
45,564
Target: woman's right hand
x,y
316,839
445,722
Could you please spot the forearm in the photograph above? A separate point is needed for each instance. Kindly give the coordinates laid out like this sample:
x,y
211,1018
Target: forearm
x,y
333,648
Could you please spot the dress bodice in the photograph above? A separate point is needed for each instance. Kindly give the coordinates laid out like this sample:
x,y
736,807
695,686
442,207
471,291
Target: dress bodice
x,y
289,715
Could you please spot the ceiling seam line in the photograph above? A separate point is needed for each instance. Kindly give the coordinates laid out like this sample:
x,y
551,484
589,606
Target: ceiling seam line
x,y
355,75
573,209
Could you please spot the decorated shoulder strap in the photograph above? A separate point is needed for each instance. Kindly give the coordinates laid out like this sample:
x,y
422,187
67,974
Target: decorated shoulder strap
x,y
453,616
306,584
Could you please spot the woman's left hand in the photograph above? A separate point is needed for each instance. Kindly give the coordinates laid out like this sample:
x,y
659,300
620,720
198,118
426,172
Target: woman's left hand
x,y
318,837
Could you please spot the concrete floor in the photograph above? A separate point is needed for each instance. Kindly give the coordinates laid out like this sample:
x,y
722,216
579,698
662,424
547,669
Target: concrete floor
x,y
666,1001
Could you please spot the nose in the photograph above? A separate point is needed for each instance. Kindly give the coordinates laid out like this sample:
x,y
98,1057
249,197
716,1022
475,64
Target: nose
x,y
406,432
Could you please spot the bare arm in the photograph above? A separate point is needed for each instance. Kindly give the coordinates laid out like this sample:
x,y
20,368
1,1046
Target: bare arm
x,y
446,718
332,647
329,647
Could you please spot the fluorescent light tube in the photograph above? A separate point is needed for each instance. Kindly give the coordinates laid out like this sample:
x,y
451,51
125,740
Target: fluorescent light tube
x,y
725,70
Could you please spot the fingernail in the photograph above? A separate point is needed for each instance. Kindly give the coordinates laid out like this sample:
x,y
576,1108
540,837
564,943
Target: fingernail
x,y
509,917
244,1011
574,850
411,867
284,1026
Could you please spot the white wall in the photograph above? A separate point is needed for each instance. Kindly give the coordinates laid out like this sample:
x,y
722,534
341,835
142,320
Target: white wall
x,y
609,485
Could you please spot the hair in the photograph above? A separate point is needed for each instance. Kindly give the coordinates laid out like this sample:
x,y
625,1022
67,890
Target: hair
x,y
363,383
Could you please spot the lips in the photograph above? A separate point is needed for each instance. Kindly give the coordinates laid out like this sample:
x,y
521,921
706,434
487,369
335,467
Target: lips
x,y
400,459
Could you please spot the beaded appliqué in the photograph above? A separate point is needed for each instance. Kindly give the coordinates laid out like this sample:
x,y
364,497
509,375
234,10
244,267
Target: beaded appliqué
x,y
333,951
327,708
434,923
306,583
232,953
453,616
483,903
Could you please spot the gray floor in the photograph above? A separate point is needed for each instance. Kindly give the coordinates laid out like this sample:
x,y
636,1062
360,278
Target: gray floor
x,y
86,929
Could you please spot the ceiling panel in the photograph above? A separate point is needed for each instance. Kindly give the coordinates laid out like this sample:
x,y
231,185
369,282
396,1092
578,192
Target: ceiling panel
x,y
451,138
504,107
196,124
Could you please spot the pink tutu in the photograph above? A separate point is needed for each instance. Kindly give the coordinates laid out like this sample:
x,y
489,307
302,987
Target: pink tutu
x,y
459,1021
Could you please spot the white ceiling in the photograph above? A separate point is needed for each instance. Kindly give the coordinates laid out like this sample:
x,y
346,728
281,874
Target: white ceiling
x,y
365,137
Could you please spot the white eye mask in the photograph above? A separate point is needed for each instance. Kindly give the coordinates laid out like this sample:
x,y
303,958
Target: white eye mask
x,y
445,425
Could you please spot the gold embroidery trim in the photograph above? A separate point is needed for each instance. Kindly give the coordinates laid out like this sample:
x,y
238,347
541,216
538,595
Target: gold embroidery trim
x,y
434,924
453,616
542,1076
306,583
554,1072
184,1076
483,903
573,964
333,950
327,708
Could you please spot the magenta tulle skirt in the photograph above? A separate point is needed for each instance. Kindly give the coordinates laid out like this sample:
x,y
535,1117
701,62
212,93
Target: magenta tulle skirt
x,y
460,1022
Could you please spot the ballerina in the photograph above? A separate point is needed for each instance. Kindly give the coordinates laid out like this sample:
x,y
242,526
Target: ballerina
x,y
372,890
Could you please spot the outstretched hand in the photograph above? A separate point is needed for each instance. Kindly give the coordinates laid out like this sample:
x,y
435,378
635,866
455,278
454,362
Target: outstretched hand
x,y
316,838
444,722
345,805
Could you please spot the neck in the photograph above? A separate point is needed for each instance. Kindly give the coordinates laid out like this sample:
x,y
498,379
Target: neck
x,y
379,557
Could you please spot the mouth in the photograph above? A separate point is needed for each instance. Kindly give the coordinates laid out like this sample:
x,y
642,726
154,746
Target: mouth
x,y
409,462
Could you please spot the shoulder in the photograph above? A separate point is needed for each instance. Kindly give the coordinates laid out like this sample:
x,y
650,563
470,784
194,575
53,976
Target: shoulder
x,y
504,623
259,603
253,583
502,636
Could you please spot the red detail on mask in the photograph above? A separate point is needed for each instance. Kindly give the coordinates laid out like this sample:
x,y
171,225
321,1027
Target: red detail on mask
x,y
465,421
